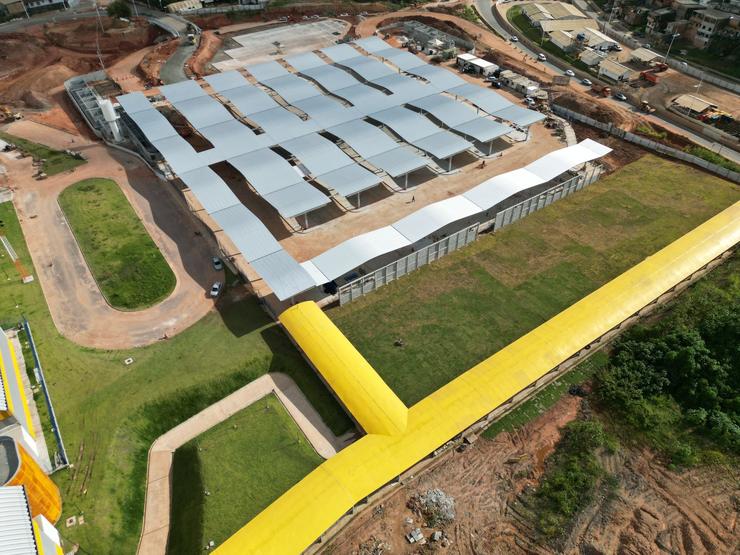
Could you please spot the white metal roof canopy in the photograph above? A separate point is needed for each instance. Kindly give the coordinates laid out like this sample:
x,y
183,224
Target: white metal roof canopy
x,y
16,528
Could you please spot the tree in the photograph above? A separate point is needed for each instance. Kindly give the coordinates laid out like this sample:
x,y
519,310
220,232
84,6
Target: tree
x,y
119,8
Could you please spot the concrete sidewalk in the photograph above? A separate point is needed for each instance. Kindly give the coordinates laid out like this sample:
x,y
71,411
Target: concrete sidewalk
x,y
158,487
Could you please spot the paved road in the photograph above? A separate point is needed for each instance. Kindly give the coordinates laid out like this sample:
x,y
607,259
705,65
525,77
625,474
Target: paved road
x,y
173,71
156,526
77,307
485,8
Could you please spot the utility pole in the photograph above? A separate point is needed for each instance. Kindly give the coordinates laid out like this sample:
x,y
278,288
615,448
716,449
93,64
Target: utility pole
x,y
673,37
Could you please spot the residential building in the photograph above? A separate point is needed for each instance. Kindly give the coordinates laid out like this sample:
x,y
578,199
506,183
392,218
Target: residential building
x,y
635,15
705,25
46,5
596,39
657,20
12,8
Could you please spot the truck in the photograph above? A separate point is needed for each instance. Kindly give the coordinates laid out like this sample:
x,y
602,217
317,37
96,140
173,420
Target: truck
x,y
645,107
602,90
659,67
649,76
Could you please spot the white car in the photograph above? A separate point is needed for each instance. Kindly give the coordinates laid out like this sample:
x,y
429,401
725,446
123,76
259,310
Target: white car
x,y
514,39
529,101
586,82
216,289
541,57
218,264
569,73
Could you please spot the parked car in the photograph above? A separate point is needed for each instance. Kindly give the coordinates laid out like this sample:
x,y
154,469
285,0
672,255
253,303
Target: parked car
x,y
586,82
616,48
216,289
569,73
514,39
541,57
529,101
620,96
218,264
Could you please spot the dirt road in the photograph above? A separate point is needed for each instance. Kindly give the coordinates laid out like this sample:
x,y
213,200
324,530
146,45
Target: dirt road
x,y
77,307
157,505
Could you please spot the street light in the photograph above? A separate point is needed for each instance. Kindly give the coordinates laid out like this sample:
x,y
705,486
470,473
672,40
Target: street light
x,y
673,37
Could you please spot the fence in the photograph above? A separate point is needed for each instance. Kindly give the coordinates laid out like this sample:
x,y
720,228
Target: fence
x,y
226,9
370,282
537,202
47,397
678,64
647,143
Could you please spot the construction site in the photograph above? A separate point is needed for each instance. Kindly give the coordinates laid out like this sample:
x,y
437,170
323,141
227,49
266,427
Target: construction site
x,y
389,235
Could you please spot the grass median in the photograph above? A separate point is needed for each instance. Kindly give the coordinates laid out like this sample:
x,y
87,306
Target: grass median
x,y
126,263
110,413
458,311
55,161
244,464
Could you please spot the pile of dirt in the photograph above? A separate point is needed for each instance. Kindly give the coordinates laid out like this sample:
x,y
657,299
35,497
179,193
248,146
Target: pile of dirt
x,y
622,153
591,107
199,63
36,62
151,64
653,511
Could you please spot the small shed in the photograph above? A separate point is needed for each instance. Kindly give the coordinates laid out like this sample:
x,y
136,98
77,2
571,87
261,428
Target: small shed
x,y
614,71
465,59
563,40
591,57
693,104
643,55
484,67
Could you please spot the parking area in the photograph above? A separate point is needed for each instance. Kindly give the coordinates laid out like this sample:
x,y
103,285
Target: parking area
x,y
282,41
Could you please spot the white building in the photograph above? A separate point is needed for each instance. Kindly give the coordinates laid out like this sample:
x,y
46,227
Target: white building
x,y
614,71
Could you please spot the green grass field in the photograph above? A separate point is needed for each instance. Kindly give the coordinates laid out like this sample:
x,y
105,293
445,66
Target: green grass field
x,y
126,263
56,160
110,413
456,312
244,464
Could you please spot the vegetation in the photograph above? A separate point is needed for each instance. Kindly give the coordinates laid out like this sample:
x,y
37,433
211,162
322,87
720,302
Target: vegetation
x,y
647,130
126,263
260,448
517,18
468,13
55,161
676,382
570,478
713,157
109,413
459,310
547,397
119,8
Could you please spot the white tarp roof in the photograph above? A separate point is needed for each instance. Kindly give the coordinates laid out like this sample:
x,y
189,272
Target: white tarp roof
x,y
210,190
357,251
134,102
435,216
249,99
266,70
184,90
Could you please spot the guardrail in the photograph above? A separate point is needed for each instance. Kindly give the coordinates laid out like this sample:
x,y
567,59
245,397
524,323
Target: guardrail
x,y
47,397
647,143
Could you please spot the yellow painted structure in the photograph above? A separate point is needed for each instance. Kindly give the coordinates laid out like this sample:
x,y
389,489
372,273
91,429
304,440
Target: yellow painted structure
x,y
12,383
359,387
295,520
43,494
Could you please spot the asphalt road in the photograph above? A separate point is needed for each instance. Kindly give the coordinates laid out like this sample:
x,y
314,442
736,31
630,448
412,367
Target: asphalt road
x,y
173,71
485,8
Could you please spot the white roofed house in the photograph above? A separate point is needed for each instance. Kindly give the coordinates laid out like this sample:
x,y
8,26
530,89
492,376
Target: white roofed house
x,y
596,39
591,57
